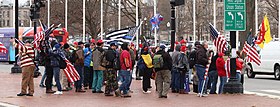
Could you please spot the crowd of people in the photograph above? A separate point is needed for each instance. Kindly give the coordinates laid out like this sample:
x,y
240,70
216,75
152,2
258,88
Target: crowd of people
x,y
113,67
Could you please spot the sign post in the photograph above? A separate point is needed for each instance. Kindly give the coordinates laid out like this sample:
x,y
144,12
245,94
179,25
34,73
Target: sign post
x,y
234,20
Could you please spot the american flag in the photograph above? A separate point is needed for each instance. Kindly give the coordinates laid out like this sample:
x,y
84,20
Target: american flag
x,y
3,48
20,46
252,53
37,39
70,72
227,67
219,41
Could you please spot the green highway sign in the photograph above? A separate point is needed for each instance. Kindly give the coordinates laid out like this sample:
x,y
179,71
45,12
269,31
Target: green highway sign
x,y
235,15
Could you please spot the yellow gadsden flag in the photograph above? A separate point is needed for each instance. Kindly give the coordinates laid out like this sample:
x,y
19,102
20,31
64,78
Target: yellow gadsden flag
x,y
266,27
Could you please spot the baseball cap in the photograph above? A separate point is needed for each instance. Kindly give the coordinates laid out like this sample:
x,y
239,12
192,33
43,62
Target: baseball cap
x,y
99,41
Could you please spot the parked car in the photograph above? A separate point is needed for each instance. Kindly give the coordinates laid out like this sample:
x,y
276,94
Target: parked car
x,y
270,61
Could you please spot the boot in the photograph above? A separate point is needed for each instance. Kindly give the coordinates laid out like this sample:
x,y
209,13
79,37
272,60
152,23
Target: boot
x,y
182,91
50,91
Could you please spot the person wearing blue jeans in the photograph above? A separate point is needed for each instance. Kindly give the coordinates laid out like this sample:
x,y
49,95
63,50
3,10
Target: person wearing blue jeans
x,y
78,84
213,77
97,81
175,80
200,73
223,80
56,72
125,76
43,79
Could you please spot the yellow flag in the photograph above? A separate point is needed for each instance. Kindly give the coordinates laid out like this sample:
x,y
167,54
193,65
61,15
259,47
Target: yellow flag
x,y
267,36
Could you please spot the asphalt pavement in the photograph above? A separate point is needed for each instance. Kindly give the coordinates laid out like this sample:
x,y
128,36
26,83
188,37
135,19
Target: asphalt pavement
x,y
10,86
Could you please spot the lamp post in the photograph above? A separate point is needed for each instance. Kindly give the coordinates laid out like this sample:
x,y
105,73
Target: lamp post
x,y
145,27
168,25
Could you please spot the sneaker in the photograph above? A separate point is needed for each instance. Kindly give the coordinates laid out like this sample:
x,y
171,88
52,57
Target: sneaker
x,y
99,91
147,92
29,94
126,95
58,93
42,85
204,95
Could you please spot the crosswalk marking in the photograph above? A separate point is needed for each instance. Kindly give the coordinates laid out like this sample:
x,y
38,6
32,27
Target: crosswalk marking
x,y
7,105
272,91
264,94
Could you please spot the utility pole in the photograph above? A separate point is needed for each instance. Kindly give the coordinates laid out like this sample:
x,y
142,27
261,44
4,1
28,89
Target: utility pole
x,y
173,20
16,68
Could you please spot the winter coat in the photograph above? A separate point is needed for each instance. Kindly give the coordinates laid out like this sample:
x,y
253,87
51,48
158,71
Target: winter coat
x,y
80,57
212,66
110,56
88,57
167,60
201,56
97,54
183,64
220,64
67,54
54,57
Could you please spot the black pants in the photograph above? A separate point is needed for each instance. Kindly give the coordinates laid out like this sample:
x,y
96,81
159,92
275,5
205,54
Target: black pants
x,y
88,74
49,78
146,83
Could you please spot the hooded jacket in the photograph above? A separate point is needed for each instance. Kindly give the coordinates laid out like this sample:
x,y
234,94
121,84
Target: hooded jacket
x,y
96,58
175,55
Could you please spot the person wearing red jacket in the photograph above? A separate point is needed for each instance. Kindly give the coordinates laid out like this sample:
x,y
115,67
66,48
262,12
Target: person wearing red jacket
x,y
239,66
220,65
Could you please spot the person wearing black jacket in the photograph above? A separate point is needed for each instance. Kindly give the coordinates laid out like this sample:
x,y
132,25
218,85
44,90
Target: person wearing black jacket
x,y
213,74
201,62
163,77
111,75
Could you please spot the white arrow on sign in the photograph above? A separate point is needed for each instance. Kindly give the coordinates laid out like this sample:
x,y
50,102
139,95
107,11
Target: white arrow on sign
x,y
241,15
232,17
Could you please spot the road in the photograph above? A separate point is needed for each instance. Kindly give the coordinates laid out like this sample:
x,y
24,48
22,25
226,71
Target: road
x,y
263,85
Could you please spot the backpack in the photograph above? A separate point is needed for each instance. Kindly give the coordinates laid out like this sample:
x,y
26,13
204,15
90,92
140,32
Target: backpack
x,y
192,59
141,64
158,61
104,62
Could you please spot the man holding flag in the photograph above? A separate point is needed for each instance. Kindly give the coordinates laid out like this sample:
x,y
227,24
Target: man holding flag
x,y
28,66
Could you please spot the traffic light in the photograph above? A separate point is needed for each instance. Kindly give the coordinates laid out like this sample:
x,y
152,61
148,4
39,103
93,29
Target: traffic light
x,y
38,5
33,13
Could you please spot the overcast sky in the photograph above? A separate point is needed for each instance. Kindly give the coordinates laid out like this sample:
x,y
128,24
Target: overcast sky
x,y
20,1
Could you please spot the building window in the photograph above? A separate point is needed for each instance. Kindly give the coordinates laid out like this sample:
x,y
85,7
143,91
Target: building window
x,y
8,22
8,14
0,23
3,13
4,24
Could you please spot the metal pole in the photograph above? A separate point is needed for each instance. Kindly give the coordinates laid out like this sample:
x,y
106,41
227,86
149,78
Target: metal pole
x,y
84,20
137,23
66,15
155,12
16,68
101,24
194,28
173,29
119,19
278,19
14,12
214,15
30,21
256,16
49,13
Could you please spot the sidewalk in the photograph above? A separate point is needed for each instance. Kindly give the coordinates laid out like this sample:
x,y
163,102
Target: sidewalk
x,y
10,86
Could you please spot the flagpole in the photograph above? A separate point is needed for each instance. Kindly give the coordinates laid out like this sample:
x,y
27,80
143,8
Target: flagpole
x,y
155,12
278,20
119,18
137,23
214,10
101,23
194,29
30,21
48,13
14,12
256,16
66,14
84,20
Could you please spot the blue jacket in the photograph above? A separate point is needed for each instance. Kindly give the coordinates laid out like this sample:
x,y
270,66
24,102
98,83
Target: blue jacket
x,y
88,57
54,56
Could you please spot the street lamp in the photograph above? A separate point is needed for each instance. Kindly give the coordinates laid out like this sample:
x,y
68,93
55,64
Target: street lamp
x,y
168,26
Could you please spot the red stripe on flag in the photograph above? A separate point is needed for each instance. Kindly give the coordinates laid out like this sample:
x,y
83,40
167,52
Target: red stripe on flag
x,y
71,72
